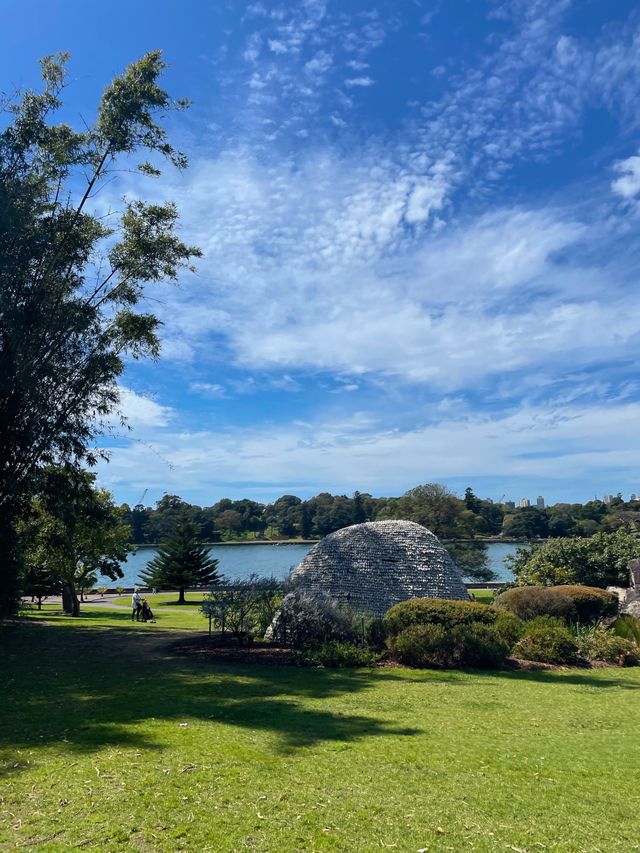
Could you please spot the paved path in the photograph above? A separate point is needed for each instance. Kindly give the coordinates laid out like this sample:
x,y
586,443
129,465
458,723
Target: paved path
x,y
110,601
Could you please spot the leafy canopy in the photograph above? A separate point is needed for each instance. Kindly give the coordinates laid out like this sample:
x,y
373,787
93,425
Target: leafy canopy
x,y
72,276
72,532
600,560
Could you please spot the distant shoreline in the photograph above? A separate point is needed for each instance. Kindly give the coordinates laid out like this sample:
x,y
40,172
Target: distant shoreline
x,y
242,542
486,539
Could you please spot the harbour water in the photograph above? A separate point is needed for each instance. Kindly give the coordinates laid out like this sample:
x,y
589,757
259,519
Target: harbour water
x,y
239,561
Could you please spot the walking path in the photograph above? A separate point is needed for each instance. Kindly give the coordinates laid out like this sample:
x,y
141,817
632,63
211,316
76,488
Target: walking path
x,y
110,601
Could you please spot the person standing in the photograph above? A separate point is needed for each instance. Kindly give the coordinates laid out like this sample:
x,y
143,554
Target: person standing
x,y
136,605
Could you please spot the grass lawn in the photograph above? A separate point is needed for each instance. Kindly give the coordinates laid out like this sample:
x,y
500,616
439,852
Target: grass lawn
x,y
99,616
108,743
484,595
165,599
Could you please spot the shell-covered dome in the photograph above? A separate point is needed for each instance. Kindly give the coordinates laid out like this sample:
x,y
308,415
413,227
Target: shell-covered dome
x,y
374,565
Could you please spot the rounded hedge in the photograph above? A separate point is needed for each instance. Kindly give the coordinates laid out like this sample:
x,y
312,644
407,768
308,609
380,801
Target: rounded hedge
x,y
438,611
423,646
474,645
548,641
570,603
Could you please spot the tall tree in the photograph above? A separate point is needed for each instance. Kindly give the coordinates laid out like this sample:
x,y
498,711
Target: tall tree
x,y
181,562
72,532
71,277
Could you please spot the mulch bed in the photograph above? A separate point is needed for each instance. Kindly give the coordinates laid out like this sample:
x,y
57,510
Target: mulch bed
x,y
228,652
217,652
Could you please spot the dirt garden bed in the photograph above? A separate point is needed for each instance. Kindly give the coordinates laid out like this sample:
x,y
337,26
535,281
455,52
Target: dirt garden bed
x,y
228,651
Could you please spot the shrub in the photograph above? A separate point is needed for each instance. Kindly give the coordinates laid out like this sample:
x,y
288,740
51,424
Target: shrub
x,y
600,560
339,655
509,628
437,611
423,646
628,627
599,644
307,620
547,640
478,645
428,645
375,633
571,603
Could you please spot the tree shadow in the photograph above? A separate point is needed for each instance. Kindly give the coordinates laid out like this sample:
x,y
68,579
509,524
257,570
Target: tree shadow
x,y
87,688
598,678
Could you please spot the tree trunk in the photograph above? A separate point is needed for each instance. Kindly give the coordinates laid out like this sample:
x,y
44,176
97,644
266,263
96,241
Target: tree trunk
x,y
70,603
181,599
9,562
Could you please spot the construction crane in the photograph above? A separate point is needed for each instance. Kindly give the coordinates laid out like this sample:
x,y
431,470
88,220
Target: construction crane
x,y
142,497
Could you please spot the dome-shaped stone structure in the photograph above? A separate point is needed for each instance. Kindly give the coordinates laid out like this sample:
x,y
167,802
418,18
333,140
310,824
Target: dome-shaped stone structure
x,y
374,565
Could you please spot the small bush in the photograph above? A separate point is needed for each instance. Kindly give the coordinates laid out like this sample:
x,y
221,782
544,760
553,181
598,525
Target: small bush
x,y
628,627
375,633
509,628
547,640
307,620
437,611
339,655
571,603
430,645
423,646
599,644
478,645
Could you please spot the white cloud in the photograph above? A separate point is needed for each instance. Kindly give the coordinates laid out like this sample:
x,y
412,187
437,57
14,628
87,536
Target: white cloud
x,y
359,82
628,184
142,412
207,389
583,444
340,265
277,47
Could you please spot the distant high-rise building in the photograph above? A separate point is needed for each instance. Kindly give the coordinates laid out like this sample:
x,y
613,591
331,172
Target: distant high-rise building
x,y
607,499
540,502
524,502
509,505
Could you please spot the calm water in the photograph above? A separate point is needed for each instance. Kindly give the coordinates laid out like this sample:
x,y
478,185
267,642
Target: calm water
x,y
238,561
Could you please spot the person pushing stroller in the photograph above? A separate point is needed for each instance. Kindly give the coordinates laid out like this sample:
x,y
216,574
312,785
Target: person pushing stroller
x,y
147,612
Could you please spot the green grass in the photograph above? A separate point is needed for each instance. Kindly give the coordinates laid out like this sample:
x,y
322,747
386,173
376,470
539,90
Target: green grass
x,y
483,595
107,745
104,617
165,599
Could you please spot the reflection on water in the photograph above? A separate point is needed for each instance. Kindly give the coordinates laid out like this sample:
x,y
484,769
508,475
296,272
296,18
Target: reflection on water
x,y
239,561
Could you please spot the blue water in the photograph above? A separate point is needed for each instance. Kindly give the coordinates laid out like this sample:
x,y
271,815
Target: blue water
x,y
239,561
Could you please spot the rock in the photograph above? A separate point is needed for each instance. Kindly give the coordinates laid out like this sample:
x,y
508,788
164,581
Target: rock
x,y
372,566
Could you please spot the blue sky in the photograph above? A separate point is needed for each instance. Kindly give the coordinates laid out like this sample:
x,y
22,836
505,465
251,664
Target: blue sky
x,y
420,229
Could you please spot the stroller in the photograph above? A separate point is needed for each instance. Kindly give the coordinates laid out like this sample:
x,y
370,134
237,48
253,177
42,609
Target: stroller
x,y
146,613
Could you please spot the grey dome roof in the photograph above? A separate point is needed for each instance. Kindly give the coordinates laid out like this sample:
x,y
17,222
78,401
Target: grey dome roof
x,y
374,565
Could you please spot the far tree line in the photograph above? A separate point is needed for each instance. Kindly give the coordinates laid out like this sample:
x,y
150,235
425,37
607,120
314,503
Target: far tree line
x,y
449,516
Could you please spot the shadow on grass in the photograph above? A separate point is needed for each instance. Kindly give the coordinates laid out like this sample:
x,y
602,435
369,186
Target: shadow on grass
x,y
88,688
600,678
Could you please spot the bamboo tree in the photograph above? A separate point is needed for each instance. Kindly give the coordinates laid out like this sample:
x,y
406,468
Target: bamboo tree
x,y
71,280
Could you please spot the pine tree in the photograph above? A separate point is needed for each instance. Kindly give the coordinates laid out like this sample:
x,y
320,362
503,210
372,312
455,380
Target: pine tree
x,y
182,561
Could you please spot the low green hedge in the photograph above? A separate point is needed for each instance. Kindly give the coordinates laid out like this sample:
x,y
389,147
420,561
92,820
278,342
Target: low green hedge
x,y
547,640
430,645
570,603
338,655
438,611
